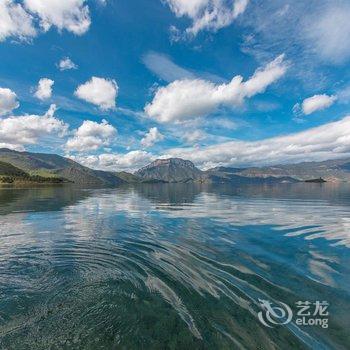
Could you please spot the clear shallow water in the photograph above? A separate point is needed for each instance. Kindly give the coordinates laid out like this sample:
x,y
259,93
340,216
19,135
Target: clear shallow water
x,y
171,266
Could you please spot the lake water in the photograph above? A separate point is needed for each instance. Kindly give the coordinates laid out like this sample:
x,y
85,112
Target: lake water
x,y
174,267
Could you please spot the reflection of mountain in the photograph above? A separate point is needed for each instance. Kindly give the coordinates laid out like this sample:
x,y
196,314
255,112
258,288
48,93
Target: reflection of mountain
x,y
170,193
129,259
39,199
298,209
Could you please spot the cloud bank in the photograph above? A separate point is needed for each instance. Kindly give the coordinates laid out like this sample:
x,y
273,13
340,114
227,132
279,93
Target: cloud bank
x,y
324,142
116,162
17,132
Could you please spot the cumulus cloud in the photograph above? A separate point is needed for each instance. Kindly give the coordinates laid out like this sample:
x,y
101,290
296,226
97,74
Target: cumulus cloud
x,y
44,89
71,15
91,136
130,161
99,91
66,64
328,141
15,21
317,103
16,132
19,19
192,98
8,101
207,14
153,136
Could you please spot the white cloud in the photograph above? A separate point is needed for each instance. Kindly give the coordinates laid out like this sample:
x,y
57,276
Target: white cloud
x,y
192,98
71,15
329,30
208,14
91,136
153,136
165,68
99,91
20,20
66,64
343,95
16,132
130,161
317,103
328,141
15,21
44,89
311,32
8,101
194,136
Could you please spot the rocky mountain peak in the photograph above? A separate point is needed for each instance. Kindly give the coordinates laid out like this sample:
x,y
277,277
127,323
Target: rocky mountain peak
x,y
170,161
170,170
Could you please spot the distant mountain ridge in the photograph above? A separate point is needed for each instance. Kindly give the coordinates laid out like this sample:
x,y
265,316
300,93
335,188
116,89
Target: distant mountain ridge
x,y
330,170
171,170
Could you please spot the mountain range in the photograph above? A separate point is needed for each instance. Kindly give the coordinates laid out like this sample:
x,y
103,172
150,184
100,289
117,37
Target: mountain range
x,y
41,167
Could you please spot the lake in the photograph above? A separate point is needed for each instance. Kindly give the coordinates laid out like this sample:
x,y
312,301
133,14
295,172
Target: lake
x,y
175,267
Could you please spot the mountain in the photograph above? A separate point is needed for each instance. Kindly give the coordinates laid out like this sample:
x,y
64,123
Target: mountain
x,y
43,167
7,169
127,177
175,170
55,166
236,176
330,170
12,174
179,170
170,170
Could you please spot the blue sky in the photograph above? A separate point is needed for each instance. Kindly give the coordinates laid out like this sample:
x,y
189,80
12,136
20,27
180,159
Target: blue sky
x,y
219,82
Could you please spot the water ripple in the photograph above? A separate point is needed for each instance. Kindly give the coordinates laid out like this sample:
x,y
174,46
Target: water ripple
x,y
117,268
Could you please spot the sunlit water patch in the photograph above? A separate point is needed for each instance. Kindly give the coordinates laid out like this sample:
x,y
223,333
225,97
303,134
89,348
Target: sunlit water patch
x,y
172,266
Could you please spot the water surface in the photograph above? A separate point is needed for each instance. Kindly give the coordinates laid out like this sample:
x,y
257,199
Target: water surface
x,y
172,266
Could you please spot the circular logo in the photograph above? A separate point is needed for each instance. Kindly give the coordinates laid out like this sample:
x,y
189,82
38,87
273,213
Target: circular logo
x,y
274,314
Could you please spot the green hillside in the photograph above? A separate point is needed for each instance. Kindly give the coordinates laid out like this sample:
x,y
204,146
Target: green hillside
x,y
55,166
7,169
11,174
128,177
